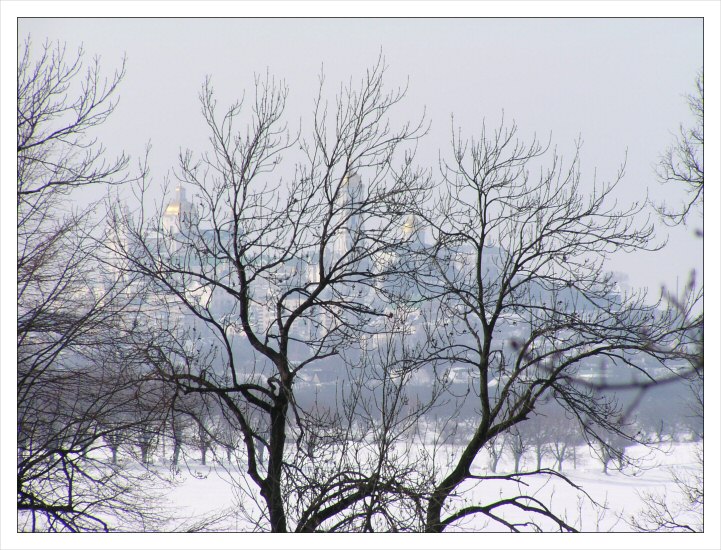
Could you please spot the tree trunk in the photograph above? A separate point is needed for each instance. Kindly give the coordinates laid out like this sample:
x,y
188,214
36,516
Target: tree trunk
x,y
176,454
435,505
271,492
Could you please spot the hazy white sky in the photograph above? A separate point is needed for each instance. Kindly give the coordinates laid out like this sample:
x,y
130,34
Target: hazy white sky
x,y
618,83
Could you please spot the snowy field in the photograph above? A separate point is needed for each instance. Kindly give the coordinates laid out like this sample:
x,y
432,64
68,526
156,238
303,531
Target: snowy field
x,y
206,495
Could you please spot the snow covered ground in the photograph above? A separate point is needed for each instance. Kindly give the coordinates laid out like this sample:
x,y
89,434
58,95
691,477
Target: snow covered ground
x,y
206,493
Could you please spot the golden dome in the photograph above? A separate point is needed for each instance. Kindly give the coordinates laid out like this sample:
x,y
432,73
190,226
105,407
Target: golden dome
x,y
173,208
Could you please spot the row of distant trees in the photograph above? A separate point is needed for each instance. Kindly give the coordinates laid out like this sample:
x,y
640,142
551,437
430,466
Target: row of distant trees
x,y
106,314
549,436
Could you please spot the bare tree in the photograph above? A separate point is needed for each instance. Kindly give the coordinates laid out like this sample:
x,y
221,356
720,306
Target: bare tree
x,y
75,322
682,163
610,446
495,451
564,436
518,445
536,431
518,278
281,280
204,436
281,275
178,430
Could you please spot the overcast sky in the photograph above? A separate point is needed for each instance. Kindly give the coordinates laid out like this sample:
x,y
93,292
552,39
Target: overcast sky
x,y
619,84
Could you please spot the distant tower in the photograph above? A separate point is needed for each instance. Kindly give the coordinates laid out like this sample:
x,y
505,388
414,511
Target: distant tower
x,y
350,195
412,233
179,210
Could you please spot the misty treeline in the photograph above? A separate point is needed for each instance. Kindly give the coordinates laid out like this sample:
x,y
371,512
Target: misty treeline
x,y
345,328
